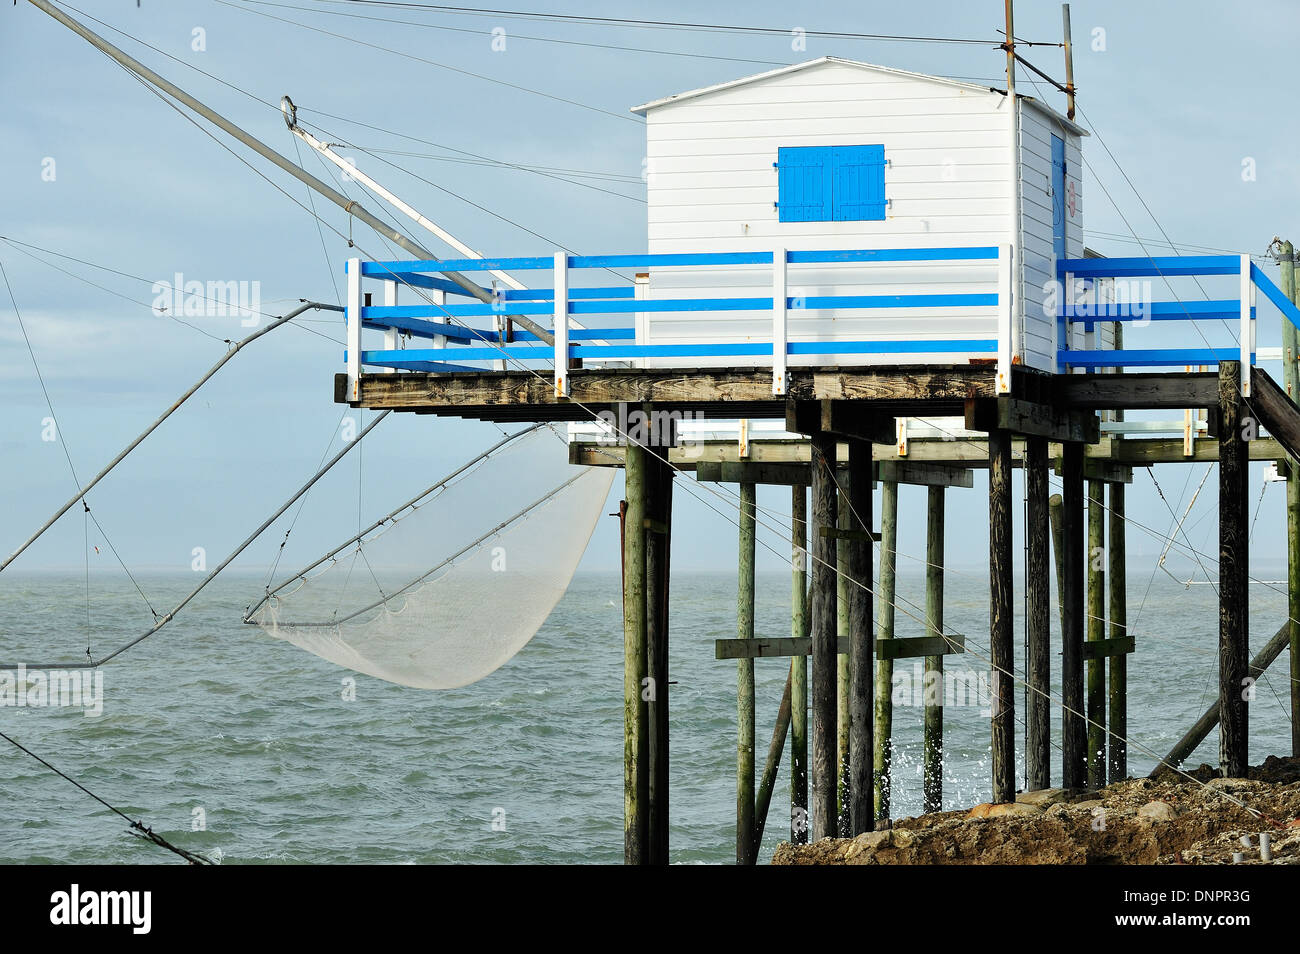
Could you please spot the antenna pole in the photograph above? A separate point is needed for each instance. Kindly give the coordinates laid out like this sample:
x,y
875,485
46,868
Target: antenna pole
x,y
1069,62
342,201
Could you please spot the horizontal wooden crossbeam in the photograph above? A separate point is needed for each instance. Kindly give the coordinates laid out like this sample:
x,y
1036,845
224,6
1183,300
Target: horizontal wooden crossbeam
x,y
1105,648
908,647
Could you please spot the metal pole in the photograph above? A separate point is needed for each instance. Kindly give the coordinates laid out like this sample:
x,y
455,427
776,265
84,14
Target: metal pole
x,y
1069,62
168,617
154,426
342,201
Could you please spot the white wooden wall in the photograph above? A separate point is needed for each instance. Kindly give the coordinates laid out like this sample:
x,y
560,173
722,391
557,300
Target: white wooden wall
x,y
712,185
1038,258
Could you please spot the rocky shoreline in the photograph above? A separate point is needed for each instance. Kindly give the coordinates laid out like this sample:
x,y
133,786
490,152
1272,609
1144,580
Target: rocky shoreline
x,y
1170,820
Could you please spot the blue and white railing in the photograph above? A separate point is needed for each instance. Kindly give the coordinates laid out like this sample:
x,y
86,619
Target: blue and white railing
x,y
1082,278
446,314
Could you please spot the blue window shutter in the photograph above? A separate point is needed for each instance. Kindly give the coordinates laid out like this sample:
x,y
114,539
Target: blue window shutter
x,y
803,183
858,174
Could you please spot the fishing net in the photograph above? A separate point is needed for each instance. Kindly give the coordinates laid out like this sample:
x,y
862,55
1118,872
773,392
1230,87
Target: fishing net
x,y
453,584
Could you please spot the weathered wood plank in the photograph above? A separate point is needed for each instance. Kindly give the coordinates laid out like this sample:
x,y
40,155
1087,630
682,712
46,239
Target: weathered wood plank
x,y
1149,390
1109,648
912,647
719,389
769,647
1037,420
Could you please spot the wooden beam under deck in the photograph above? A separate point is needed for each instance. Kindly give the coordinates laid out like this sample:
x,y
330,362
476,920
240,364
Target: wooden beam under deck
x,y
715,392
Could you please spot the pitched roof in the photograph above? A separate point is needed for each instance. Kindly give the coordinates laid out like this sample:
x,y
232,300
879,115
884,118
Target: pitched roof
x,y
796,67
857,64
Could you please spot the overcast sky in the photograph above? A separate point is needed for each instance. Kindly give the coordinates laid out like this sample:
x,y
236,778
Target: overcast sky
x,y
97,168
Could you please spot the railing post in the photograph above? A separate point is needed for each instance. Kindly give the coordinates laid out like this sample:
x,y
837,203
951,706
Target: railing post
x,y
354,329
1063,324
1006,321
561,324
1247,333
780,373
391,338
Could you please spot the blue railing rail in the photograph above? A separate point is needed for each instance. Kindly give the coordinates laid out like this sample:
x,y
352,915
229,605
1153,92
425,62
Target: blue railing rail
x,y
446,321
1242,310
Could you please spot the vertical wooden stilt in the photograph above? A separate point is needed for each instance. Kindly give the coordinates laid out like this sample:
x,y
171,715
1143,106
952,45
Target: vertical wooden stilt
x,y
799,669
1234,542
884,710
1074,741
635,713
932,773
1038,588
1118,629
659,508
1056,509
1096,630
766,785
1291,381
1001,620
862,815
1293,593
843,631
745,683
824,821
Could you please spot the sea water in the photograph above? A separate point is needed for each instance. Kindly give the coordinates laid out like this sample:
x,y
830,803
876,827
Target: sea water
x,y
228,742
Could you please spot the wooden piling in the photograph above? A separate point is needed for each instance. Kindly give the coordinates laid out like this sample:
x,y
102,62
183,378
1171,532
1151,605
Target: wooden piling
x,y
823,450
843,629
932,771
799,620
884,702
861,641
767,784
1096,631
1074,740
745,682
658,525
635,712
1118,768
1291,382
1001,621
1056,509
1038,719
1234,542
799,667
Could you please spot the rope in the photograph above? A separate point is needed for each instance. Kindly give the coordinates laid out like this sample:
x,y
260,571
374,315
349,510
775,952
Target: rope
x,y
138,827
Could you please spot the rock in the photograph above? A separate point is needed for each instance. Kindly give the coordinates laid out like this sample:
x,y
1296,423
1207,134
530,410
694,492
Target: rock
x,y
987,810
1088,805
1158,811
868,841
1042,798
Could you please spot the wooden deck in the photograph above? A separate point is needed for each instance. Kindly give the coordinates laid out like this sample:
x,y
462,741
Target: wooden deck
x,y
729,393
